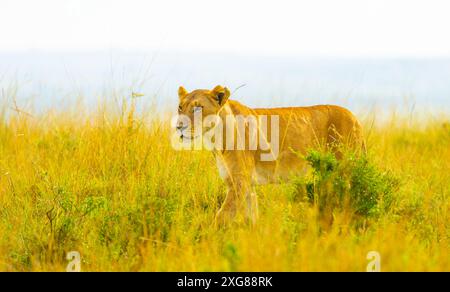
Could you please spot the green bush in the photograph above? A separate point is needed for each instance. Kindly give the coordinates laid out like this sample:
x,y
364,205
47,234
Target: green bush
x,y
352,184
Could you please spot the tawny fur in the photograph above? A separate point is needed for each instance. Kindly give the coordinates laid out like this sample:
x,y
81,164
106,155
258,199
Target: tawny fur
x,y
300,129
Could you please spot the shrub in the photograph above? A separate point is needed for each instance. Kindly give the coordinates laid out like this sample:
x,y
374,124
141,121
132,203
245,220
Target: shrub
x,y
351,184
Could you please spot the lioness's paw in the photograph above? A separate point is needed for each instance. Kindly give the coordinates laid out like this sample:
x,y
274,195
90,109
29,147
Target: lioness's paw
x,y
224,217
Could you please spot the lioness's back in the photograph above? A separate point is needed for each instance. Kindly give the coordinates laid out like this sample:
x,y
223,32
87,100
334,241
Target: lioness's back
x,y
331,124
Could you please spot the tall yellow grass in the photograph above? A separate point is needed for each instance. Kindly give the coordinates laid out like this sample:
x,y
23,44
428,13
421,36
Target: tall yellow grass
x,y
109,185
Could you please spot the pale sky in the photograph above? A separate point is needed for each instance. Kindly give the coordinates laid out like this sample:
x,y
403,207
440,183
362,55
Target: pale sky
x,y
399,28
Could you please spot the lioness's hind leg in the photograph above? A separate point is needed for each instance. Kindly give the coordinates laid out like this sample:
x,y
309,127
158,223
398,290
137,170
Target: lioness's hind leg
x,y
346,137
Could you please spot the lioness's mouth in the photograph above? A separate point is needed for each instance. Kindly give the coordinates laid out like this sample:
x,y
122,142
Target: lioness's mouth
x,y
183,136
188,138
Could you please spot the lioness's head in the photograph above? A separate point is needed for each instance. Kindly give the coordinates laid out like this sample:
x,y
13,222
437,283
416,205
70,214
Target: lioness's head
x,y
202,102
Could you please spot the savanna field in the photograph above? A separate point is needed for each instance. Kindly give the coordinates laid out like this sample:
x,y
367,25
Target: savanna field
x,y
107,183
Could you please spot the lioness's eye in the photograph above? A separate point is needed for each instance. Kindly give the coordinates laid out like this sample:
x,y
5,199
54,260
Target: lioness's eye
x,y
179,108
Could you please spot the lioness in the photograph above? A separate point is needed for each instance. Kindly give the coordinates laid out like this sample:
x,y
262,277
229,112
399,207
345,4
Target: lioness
x,y
298,129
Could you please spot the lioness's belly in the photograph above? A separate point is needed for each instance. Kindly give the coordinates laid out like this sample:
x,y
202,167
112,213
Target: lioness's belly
x,y
283,169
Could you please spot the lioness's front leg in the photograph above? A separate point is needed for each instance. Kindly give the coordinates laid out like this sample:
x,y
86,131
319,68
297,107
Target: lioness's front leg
x,y
252,206
240,198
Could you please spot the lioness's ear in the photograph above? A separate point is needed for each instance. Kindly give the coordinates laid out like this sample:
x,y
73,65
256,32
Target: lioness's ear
x,y
182,92
221,94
